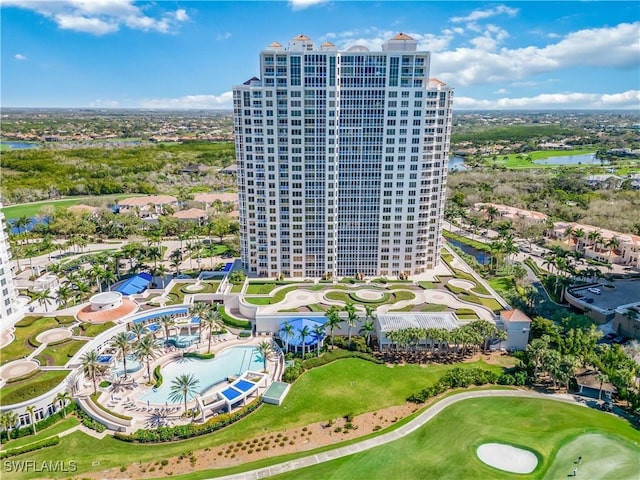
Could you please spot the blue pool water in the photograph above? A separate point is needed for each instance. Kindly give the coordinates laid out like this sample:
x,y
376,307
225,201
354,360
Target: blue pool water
x,y
182,341
153,327
231,362
133,366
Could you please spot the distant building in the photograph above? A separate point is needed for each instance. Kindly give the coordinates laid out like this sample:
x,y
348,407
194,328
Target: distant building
x,y
342,160
148,207
209,199
626,320
230,170
196,169
10,309
194,215
517,325
626,253
611,182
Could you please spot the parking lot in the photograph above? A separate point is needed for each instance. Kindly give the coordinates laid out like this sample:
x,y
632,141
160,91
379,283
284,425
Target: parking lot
x,y
624,291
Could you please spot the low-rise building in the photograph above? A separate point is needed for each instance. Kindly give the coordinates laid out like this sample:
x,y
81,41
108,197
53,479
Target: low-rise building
x,y
512,213
626,320
517,325
148,207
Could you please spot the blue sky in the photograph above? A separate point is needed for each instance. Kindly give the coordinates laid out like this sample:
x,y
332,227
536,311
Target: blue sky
x,y
188,54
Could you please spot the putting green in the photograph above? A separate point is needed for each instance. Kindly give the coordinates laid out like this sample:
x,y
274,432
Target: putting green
x,y
602,457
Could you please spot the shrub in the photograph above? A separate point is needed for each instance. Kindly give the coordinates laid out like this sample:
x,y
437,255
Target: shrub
x,y
104,384
41,425
164,462
201,356
157,376
48,442
455,378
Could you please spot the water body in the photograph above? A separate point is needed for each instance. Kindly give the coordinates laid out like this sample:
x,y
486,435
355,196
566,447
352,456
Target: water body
x,y
33,221
481,257
20,145
457,164
582,159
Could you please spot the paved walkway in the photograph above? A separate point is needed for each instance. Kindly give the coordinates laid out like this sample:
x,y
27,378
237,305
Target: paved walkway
x,y
394,435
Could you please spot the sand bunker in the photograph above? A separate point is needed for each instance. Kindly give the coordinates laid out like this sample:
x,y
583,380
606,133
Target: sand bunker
x,y
370,294
507,458
54,335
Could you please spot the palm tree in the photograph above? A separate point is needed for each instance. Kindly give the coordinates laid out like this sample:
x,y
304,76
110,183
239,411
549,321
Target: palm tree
x,y
352,317
265,350
318,332
367,329
304,332
594,237
612,244
167,322
64,294
138,329
333,320
209,321
578,234
121,342
154,253
43,297
92,367
288,331
63,398
147,349
183,387
8,421
602,378
32,419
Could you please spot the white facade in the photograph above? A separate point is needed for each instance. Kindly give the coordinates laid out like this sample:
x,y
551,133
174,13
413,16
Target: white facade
x,y
342,160
10,309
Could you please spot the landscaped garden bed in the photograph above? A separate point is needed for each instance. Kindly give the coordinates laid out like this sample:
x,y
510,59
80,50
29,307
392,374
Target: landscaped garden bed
x,y
42,382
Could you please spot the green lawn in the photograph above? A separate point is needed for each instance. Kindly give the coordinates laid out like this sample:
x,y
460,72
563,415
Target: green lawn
x,y
60,354
32,209
32,387
502,285
345,386
446,446
31,329
61,426
92,329
261,288
525,160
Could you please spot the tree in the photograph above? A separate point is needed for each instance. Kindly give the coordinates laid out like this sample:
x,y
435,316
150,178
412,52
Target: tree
x,y
208,321
352,317
167,322
318,333
221,226
333,320
536,350
265,350
147,349
63,398
64,294
139,330
367,329
183,387
602,378
32,419
288,331
121,342
304,332
43,297
92,367
8,421
612,244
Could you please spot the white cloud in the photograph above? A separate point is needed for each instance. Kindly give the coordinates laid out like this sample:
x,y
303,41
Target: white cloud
x,y
629,100
302,4
19,56
223,36
501,91
100,17
104,104
617,47
487,13
223,101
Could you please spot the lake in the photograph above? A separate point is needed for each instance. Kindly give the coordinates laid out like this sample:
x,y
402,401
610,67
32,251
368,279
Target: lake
x,y
20,145
582,159
482,258
457,164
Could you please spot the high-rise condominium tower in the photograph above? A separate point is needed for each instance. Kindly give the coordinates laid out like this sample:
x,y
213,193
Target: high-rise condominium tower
x,y
9,308
342,160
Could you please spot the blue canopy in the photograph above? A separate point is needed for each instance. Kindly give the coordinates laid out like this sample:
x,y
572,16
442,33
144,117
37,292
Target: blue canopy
x,y
298,324
134,285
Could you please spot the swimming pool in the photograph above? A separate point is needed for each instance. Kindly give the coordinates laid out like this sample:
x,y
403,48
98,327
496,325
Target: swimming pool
x,y
232,362
133,365
182,341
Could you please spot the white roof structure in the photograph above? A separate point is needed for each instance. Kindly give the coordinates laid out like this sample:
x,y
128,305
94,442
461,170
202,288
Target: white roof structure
x,y
397,321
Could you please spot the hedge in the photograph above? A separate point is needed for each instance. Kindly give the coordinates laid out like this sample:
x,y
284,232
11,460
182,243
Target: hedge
x,y
232,321
201,356
180,432
157,376
48,442
291,373
27,321
41,425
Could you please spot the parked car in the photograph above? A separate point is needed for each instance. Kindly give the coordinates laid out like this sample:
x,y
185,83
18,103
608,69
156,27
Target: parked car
x,y
594,290
588,300
619,339
609,336
606,406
